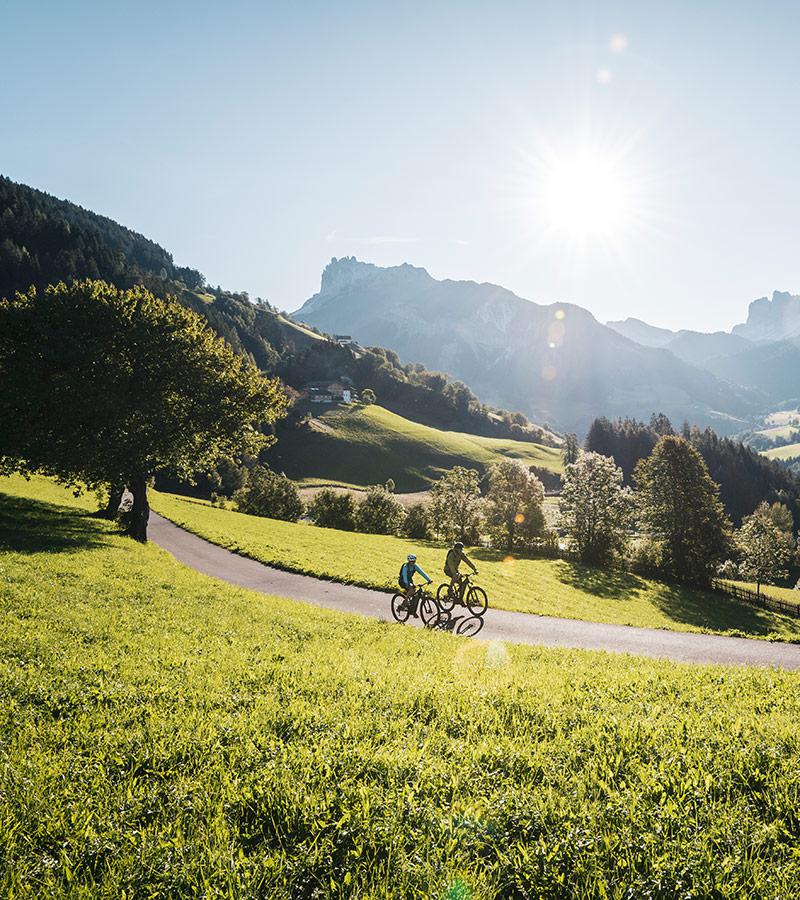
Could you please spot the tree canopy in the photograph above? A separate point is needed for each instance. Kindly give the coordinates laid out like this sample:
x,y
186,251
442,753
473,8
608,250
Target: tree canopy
x,y
595,507
514,512
679,507
107,386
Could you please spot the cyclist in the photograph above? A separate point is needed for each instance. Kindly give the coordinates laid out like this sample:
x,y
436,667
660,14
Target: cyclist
x,y
455,556
406,579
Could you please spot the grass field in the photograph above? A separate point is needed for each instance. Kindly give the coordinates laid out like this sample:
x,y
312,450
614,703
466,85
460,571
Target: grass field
x,y
363,445
546,587
165,735
788,451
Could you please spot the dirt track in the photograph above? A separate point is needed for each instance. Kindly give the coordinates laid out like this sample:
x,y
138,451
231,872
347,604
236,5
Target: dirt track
x,y
520,628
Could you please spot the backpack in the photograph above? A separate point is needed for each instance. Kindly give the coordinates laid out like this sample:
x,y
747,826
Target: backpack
x,y
401,577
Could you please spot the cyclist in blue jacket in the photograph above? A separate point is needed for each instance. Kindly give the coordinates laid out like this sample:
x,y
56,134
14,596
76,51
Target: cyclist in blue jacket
x,y
406,579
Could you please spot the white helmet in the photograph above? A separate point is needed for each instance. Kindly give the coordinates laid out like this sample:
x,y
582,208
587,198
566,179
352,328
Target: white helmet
x,y
412,557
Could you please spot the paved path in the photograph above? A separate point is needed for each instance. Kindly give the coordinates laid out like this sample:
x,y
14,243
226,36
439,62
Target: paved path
x,y
520,628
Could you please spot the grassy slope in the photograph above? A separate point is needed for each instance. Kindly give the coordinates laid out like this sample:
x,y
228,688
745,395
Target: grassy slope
x,y
788,451
363,445
163,734
546,587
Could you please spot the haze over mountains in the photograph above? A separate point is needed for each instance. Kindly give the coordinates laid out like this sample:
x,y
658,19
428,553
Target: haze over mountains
x,y
762,353
554,362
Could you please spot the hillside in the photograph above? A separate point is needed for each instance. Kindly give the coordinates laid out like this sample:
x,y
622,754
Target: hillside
x,y
556,363
167,735
44,239
363,445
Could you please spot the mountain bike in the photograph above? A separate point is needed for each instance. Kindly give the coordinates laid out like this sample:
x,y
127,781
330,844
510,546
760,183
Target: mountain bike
x,y
430,612
466,594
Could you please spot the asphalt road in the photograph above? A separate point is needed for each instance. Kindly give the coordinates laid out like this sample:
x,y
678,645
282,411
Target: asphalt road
x,y
519,628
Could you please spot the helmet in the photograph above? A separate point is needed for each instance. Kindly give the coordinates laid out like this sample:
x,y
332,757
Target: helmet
x,y
458,545
412,557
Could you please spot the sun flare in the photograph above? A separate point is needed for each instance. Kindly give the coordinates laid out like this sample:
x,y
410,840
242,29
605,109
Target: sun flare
x,y
586,195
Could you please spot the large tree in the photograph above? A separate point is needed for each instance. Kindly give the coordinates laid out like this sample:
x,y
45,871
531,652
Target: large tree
x,y
765,548
106,387
456,508
514,512
595,507
680,509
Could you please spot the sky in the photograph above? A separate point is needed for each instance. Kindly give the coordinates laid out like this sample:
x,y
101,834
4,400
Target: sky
x,y
638,158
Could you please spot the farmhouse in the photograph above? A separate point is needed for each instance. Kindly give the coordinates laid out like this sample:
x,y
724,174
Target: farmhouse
x,y
328,392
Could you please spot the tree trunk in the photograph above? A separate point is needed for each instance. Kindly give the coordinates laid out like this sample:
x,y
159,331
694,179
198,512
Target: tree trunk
x,y
140,512
114,499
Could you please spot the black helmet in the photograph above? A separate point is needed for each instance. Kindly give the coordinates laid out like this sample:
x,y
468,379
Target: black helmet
x,y
458,545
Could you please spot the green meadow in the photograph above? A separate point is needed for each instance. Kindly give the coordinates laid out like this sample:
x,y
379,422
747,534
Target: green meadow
x,y
165,735
363,445
542,586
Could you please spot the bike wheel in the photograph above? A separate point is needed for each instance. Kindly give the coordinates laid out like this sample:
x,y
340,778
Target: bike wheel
x,y
400,613
477,601
445,597
429,611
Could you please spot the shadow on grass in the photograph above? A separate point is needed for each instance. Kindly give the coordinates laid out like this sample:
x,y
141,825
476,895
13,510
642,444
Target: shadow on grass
x,y
687,605
703,609
30,526
610,584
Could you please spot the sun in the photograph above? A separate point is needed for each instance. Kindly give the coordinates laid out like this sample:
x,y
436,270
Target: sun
x,y
585,195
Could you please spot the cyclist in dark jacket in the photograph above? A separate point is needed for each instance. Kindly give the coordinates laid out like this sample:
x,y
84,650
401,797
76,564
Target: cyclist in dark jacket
x,y
455,556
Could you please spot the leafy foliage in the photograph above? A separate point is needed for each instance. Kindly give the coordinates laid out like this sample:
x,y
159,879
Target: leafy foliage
x,y
766,550
746,478
266,493
107,386
417,522
513,508
595,508
368,396
679,507
333,509
379,512
456,508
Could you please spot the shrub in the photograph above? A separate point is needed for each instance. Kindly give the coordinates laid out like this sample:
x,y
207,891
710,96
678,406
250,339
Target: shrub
x,y
266,493
368,396
417,524
379,512
331,509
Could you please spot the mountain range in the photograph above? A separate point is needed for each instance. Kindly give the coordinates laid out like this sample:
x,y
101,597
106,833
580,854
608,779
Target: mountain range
x,y
762,354
554,362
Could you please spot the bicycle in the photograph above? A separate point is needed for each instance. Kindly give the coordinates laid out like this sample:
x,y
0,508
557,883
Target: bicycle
x,y
465,593
430,612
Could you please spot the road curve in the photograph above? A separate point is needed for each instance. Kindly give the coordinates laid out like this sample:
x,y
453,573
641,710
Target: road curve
x,y
519,628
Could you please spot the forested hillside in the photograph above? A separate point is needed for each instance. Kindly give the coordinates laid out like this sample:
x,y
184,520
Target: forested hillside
x,y
746,478
45,240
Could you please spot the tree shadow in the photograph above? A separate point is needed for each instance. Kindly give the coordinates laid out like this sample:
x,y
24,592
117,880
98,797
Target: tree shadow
x,y
704,609
30,526
610,584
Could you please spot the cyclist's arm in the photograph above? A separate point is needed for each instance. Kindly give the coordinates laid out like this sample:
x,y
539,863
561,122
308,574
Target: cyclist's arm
x,y
469,562
421,572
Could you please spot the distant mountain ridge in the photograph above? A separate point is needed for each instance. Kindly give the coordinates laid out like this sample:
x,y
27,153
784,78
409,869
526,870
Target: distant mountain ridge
x,y
555,362
761,354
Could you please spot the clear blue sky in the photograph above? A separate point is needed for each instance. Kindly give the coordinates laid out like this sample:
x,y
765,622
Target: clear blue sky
x,y
257,140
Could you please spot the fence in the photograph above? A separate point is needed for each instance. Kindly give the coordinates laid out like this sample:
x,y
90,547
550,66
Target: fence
x,y
766,601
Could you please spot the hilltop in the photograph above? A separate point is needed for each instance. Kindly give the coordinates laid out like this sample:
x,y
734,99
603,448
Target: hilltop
x,y
363,445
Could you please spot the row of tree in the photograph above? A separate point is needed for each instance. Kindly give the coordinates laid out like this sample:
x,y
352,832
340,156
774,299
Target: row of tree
x,y
746,478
